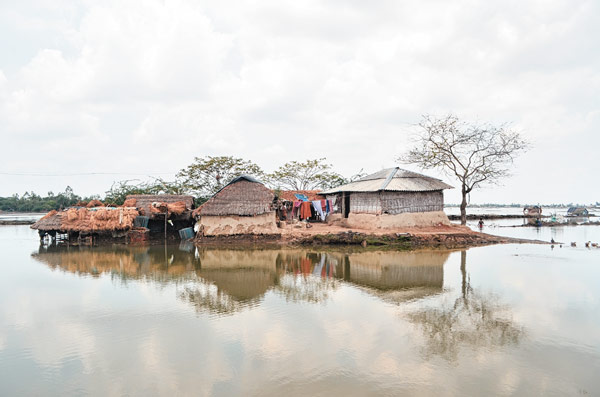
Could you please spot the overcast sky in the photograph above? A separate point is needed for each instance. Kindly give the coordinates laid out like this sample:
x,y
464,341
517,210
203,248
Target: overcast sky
x,y
136,89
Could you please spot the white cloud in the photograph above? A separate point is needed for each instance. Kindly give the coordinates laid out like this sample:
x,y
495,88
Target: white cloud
x,y
285,80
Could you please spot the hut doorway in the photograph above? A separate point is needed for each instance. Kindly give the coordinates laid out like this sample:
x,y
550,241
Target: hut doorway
x,y
346,206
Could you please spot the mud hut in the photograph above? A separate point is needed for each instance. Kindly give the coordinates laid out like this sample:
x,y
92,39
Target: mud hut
x,y
390,198
243,206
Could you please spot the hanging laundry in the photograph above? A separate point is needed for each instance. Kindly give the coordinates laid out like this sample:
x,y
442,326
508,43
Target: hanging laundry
x,y
319,209
305,212
295,210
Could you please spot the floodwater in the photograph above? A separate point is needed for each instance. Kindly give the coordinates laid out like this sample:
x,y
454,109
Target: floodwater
x,y
176,320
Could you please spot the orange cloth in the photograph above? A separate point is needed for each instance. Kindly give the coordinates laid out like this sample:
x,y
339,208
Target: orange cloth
x,y
305,210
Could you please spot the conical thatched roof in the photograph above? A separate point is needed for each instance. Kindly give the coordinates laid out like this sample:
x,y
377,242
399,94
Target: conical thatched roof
x,y
392,179
243,196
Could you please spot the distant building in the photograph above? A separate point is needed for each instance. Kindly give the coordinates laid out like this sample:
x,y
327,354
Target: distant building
x,y
535,210
390,198
577,211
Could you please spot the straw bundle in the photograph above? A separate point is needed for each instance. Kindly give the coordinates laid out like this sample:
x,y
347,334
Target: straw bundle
x,y
105,220
72,215
130,202
48,215
158,208
154,206
177,208
95,203
101,215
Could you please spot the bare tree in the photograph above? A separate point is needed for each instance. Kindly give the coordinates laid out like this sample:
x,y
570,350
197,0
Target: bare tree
x,y
476,154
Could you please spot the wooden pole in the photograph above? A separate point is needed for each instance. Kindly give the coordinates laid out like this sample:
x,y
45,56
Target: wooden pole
x,y
166,216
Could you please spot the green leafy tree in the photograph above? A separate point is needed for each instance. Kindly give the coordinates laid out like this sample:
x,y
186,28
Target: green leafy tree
x,y
206,175
307,175
120,190
475,154
32,202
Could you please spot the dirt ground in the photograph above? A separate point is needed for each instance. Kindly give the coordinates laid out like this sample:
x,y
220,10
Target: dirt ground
x,y
446,236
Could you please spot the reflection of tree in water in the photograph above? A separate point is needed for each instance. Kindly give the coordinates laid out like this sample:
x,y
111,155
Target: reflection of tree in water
x,y
474,320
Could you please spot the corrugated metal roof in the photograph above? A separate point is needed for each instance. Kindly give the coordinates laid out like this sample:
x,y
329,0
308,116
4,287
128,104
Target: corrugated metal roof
x,y
392,179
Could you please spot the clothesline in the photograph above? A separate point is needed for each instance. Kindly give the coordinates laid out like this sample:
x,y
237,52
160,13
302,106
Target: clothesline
x,y
322,208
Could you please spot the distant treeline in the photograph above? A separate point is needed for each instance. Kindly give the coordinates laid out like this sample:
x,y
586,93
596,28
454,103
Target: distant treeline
x,y
31,202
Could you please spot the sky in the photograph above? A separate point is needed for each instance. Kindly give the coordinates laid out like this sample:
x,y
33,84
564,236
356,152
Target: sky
x,y
93,92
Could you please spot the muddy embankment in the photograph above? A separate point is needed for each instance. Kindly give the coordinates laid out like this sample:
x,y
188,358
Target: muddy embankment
x,y
460,238
16,222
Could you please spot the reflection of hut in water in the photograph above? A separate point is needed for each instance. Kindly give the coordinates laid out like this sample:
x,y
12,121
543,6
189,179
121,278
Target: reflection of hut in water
x,y
390,275
398,276
137,262
242,274
398,270
232,279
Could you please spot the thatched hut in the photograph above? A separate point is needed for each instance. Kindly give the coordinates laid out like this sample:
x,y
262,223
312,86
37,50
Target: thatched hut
x,y
82,222
140,217
390,198
243,206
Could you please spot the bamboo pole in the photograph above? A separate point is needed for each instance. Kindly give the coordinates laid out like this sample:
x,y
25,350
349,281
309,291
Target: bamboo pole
x,y
166,216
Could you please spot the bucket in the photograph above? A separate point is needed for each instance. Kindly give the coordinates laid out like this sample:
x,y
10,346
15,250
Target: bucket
x,y
187,233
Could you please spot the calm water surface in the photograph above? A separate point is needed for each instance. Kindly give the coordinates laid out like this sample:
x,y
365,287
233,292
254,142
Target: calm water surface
x,y
508,320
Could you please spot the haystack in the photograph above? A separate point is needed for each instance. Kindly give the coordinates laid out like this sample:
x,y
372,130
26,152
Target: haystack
x,y
130,202
101,220
95,203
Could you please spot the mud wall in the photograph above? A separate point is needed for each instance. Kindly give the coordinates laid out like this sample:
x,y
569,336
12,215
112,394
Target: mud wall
x,y
387,221
233,224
